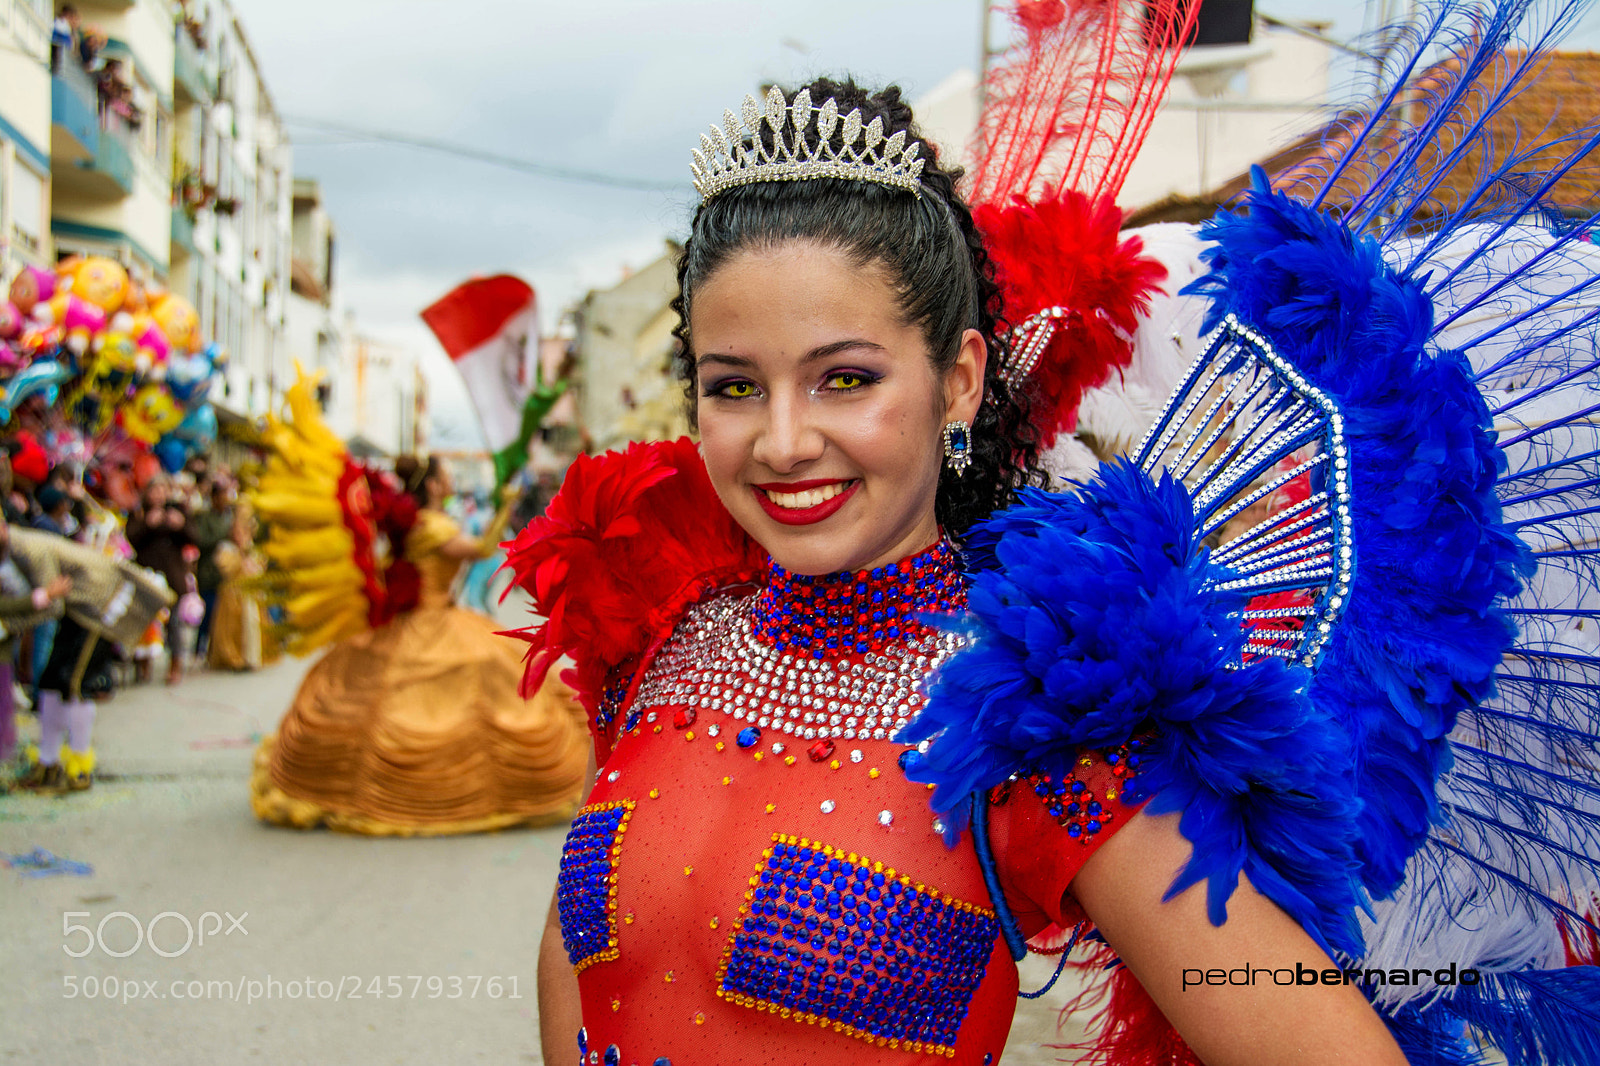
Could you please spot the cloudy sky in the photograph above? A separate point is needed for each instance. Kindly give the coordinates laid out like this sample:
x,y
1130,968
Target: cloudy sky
x,y
612,87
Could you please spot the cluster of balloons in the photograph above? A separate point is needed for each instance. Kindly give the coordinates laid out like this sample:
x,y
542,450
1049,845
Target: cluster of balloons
x,y
113,354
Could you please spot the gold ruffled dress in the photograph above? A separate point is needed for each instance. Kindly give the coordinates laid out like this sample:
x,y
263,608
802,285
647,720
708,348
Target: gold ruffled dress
x,y
416,728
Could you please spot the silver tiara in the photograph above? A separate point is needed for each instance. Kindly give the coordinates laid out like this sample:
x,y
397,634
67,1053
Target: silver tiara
x,y
735,153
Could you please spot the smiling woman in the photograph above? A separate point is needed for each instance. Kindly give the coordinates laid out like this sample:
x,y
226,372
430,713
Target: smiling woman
x,y
754,622
821,413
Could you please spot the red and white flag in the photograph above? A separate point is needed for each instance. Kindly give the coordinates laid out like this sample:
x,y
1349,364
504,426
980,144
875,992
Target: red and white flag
x,y
489,328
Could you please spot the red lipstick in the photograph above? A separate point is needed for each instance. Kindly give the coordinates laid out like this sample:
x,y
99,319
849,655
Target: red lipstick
x,y
795,516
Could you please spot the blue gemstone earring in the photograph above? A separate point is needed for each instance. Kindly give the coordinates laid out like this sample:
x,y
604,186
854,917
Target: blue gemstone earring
x,y
958,446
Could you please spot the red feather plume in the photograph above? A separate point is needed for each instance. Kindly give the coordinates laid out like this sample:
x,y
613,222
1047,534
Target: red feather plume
x,y
1071,103
1065,114
631,541
1131,1030
1066,251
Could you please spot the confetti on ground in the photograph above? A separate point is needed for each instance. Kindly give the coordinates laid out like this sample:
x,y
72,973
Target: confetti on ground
x,y
217,743
40,863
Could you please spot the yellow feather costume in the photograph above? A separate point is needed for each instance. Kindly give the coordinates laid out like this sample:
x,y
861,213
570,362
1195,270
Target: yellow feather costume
x,y
413,727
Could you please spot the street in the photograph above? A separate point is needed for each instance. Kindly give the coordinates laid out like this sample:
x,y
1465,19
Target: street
x,y
169,829
303,947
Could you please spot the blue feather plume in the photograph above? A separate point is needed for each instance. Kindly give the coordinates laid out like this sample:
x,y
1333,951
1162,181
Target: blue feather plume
x,y
1421,638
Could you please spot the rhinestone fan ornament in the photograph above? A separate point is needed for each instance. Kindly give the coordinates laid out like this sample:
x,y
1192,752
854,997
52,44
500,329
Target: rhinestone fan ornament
x,y
737,152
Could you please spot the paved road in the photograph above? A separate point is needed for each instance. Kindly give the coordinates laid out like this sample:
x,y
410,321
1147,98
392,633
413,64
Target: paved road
x,y
169,832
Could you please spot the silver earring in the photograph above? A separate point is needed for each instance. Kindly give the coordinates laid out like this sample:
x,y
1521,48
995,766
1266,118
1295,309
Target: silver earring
x,y
957,446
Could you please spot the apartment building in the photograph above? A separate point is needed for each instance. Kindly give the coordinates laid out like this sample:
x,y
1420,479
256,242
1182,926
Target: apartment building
x,y
110,176
25,134
233,176
163,150
314,336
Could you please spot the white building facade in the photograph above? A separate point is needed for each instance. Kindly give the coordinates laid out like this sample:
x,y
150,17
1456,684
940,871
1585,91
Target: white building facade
x,y
25,134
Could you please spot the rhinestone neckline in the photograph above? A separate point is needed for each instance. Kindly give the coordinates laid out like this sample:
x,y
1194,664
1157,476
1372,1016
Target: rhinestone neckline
x,y
831,614
764,660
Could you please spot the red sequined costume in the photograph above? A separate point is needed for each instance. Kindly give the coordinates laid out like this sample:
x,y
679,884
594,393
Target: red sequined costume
x,y
753,878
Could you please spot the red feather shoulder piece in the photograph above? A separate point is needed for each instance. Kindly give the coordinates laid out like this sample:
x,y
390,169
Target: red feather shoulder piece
x,y
630,542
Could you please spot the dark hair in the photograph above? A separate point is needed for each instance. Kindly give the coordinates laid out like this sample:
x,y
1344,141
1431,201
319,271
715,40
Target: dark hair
x,y
930,250
414,474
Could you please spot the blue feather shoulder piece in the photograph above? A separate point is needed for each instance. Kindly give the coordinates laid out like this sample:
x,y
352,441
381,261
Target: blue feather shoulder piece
x,y
1100,616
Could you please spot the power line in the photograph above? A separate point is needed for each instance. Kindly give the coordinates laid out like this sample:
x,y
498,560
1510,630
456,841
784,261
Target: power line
x,y
526,166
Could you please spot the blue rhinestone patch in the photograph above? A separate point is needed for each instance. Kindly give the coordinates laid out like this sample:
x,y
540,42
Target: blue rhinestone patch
x,y
586,888
833,938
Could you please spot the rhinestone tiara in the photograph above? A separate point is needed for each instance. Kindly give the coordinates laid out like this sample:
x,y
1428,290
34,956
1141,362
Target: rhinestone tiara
x,y
735,153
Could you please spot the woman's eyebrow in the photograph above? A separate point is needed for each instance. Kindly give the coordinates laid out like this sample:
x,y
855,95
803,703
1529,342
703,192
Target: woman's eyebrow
x,y
824,351
724,360
827,350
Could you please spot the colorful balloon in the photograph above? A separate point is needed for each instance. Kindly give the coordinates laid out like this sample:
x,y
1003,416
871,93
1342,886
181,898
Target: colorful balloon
x,y
11,321
150,414
44,376
198,428
171,453
190,376
32,286
179,321
101,281
152,342
39,338
137,301
79,320
107,375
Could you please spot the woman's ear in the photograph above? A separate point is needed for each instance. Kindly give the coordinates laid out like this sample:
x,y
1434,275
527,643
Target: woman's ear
x,y
963,384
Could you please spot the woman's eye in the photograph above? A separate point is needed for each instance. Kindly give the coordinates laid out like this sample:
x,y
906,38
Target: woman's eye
x,y
736,390
847,381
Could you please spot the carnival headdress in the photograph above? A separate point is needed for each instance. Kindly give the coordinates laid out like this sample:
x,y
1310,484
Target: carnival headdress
x,y
770,144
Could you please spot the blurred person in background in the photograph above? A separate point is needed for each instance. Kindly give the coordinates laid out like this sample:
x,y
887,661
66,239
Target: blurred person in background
x,y
64,35
55,516
417,727
55,512
32,588
238,639
163,541
212,529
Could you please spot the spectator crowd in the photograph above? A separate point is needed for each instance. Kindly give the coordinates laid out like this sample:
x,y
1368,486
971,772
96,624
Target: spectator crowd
x,y
192,529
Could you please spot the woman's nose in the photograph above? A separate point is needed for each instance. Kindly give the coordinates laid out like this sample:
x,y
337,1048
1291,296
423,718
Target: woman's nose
x,y
788,439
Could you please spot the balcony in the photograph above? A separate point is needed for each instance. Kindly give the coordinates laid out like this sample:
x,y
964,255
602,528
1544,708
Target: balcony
x,y
105,172
182,232
190,85
74,129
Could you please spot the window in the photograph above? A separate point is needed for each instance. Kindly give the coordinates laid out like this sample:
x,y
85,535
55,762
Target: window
x,y
27,207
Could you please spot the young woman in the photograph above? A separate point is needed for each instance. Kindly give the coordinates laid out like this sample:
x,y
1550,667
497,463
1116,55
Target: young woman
x,y
415,727
754,877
